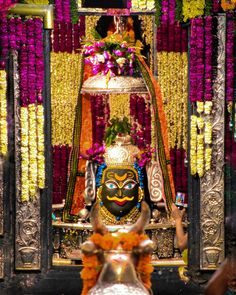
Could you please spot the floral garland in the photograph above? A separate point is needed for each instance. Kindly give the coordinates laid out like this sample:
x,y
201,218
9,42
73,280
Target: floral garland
x,y
3,113
227,5
4,6
32,117
60,162
170,35
143,4
192,9
119,105
65,77
201,139
100,116
140,113
92,266
229,81
172,77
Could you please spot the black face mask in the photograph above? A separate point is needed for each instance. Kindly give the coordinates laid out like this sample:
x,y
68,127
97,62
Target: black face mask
x,y
120,190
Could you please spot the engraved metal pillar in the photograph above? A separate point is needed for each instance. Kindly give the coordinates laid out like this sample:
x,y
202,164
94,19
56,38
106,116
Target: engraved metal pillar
x,y
27,230
212,183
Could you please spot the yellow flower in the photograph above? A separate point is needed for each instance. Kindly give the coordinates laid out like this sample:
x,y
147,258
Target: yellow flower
x,y
193,8
193,144
24,153
40,145
3,113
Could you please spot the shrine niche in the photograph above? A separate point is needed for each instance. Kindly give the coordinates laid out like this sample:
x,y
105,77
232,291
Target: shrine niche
x,y
114,106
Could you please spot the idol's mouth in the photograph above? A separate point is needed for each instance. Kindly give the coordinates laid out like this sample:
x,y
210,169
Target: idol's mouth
x,y
120,201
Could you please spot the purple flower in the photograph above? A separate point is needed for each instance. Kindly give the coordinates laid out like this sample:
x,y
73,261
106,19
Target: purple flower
x,y
118,52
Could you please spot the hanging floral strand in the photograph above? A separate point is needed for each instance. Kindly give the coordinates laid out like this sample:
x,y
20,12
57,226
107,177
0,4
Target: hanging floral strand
x,y
3,113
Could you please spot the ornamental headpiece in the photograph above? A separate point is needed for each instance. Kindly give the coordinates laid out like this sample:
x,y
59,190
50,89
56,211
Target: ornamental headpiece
x,y
122,152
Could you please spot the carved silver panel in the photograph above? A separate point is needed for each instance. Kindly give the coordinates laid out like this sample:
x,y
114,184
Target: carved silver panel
x,y
1,196
212,183
27,226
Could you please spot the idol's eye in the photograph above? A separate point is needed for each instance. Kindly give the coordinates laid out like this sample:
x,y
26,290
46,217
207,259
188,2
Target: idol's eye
x,y
129,185
111,185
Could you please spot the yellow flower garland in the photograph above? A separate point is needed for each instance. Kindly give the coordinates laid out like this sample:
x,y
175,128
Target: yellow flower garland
x,y
32,150
119,105
201,139
173,79
33,171
192,8
193,144
40,147
92,265
38,2
24,153
3,113
65,77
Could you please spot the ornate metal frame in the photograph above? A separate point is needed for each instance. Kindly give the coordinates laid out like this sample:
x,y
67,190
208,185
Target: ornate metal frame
x,y
212,183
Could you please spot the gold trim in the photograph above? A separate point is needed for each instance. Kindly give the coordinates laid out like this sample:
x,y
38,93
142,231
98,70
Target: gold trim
x,y
46,11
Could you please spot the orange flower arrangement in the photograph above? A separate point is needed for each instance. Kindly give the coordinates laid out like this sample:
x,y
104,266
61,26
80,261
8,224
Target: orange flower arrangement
x,y
128,241
227,5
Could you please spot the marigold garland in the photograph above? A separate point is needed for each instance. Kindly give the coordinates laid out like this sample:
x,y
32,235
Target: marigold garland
x,y
32,136
201,139
193,145
65,77
193,8
119,105
228,5
38,2
107,242
173,77
3,113
24,153
40,146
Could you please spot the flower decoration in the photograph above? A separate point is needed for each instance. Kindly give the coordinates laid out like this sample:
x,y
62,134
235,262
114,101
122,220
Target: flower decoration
x,y
111,56
95,153
145,156
92,265
227,5
5,5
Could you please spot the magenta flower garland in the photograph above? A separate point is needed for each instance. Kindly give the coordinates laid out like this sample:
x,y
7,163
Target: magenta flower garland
x,y
197,60
4,6
60,164
39,62
140,113
229,82
170,34
208,59
100,115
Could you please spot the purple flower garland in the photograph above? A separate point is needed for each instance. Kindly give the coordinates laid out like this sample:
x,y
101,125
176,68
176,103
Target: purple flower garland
x,y
140,112
31,62
66,36
201,63
39,61
100,115
208,59
60,164
171,36
230,57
